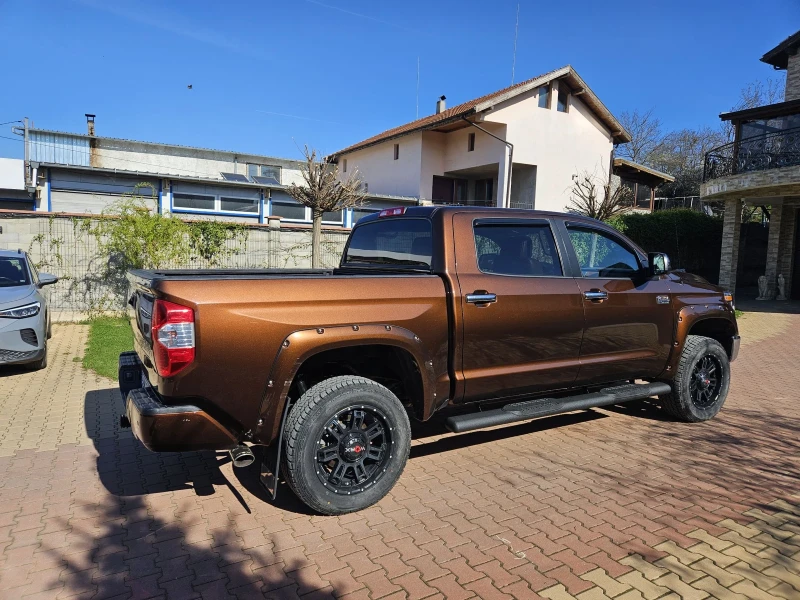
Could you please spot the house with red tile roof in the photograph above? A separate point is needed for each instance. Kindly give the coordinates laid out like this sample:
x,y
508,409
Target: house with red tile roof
x,y
518,147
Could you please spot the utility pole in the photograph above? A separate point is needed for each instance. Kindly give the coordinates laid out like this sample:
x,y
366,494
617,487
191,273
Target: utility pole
x,y
514,61
27,163
417,88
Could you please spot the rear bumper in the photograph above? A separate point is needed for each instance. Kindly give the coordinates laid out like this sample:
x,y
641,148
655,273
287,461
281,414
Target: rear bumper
x,y
162,427
735,342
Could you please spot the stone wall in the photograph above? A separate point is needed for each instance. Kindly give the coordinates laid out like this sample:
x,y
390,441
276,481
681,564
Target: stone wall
x,y
792,91
61,245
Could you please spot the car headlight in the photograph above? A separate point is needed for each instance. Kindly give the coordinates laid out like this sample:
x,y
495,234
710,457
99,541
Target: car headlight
x,y
21,312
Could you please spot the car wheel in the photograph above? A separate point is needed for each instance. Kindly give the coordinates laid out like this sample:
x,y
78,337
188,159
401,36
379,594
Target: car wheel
x,y
701,382
347,442
49,327
42,362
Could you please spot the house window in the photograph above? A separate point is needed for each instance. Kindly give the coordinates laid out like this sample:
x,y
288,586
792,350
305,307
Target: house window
x,y
562,104
286,207
396,151
193,202
544,96
344,165
483,192
264,171
239,205
470,142
187,197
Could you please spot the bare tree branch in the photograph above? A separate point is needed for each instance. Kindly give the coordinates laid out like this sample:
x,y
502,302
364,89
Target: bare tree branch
x,y
324,191
598,197
646,135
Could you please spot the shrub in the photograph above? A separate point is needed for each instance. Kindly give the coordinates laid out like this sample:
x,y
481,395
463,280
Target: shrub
x,y
693,240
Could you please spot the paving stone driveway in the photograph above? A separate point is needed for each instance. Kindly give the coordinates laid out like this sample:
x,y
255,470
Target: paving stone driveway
x,y
605,503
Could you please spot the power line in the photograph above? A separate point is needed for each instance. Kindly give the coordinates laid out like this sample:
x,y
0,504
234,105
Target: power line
x,y
9,122
10,138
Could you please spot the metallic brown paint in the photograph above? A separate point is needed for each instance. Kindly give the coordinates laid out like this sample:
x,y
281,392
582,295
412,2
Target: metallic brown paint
x,y
540,335
179,432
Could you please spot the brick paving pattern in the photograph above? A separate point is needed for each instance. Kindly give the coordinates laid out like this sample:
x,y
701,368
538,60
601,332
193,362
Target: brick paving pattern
x,y
613,503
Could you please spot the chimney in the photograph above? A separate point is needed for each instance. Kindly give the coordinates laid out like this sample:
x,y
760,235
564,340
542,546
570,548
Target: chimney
x,y
90,124
440,105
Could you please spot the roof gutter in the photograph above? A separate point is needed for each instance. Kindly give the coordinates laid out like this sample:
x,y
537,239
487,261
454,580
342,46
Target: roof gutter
x,y
335,156
510,157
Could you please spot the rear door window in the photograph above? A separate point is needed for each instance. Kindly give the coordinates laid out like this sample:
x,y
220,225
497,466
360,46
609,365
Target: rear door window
x,y
391,242
517,249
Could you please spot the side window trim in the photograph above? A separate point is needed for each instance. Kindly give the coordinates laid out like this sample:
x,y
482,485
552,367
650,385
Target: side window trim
x,y
600,230
499,221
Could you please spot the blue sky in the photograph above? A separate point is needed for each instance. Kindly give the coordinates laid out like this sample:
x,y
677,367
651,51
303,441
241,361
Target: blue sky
x,y
268,77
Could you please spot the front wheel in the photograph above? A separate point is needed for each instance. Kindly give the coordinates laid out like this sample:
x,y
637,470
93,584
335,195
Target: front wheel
x,y
347,442
701,381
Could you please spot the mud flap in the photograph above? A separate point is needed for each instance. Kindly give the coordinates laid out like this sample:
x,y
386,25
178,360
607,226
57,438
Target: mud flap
x,y
271,462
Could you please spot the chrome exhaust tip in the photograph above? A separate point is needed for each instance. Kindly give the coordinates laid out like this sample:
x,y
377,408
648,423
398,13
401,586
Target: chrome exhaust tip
x,y
242,456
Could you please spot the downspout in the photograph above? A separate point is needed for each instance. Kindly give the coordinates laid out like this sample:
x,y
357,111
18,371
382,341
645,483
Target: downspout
x,y
510,156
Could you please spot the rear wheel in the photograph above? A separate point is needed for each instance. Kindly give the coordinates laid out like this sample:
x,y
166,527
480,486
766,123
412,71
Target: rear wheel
x,y
701,382
347,442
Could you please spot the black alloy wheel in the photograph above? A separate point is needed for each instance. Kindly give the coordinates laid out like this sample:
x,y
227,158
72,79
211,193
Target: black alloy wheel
x,y
353,449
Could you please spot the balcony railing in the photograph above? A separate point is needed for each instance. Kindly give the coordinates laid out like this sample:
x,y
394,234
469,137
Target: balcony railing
x,y
758,153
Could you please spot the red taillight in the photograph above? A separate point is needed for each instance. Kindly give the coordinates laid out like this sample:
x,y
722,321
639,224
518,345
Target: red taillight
x,y
392,212
173,337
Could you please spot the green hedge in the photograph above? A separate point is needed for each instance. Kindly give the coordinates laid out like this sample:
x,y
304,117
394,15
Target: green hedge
x,y
693,240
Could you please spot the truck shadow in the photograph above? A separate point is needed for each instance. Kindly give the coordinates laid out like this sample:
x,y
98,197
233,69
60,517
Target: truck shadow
x,y
445,441
126,468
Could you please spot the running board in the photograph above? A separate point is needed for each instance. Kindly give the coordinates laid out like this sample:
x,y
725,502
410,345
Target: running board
x,y
545,407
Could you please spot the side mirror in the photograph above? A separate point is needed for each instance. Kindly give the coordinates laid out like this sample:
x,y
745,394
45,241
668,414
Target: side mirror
x,y
659,263
46,279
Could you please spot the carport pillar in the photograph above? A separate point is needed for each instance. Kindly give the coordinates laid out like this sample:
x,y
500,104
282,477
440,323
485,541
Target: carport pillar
x,y
503,177
773,247
729,260
786,246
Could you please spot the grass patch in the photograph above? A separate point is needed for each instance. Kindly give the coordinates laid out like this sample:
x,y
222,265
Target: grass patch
x,y
108,337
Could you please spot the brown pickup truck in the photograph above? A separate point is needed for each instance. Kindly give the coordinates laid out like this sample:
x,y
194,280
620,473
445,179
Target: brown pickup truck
x,y
491,316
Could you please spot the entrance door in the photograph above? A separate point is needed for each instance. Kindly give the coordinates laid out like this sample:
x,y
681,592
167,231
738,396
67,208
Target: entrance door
x,y
629,320
443,189
522,318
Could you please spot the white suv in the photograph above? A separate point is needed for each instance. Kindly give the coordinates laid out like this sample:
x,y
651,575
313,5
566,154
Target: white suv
x,y
24,318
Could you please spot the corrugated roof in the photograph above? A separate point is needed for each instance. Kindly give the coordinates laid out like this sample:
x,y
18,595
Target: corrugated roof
x,y
624,162
483,103
180,146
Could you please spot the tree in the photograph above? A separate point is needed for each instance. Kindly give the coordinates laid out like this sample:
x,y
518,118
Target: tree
x,y
757,93
682,154
598,197
324,191
646,135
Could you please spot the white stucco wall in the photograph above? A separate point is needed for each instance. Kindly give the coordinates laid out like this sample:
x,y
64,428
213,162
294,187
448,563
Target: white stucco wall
x,y
383,174
551,146
559,144
12,174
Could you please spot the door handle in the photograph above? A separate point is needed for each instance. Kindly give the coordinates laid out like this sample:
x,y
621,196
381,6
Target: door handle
x,y
596,295
481,298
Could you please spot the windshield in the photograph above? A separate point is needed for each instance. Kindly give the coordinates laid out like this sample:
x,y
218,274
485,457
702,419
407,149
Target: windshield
x,y
13,272
391,242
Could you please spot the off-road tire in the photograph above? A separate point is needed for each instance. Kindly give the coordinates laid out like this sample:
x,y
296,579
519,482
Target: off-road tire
x,y
42,362
306,424
679,403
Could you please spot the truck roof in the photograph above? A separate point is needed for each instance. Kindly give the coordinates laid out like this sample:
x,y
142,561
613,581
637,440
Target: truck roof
x,y
427,212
